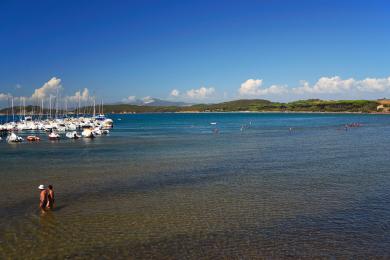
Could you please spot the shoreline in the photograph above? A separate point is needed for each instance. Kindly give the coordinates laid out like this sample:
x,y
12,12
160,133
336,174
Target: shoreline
x,y
238,112
253,112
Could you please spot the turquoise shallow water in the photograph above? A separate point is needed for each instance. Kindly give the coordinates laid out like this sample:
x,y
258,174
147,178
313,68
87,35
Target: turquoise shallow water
x,y
168,186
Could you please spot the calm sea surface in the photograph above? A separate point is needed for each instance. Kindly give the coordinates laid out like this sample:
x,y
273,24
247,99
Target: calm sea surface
x,y
170,186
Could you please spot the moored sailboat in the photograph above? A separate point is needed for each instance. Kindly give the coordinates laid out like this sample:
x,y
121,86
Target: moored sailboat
x,y
13,138
54,136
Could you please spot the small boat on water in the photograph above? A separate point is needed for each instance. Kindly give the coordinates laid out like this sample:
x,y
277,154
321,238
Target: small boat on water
x,y
54,136
88,133
97,131
33,138
13,138
73,135
106,123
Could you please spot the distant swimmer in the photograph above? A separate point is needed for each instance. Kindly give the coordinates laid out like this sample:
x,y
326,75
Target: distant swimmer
x,y
290,130
244,127
42,197
354,125
50,197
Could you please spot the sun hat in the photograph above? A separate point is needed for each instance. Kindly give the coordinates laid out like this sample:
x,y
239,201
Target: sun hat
x,y
41,187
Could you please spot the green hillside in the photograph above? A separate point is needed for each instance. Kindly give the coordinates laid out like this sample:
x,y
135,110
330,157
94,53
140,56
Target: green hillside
x,y
253,105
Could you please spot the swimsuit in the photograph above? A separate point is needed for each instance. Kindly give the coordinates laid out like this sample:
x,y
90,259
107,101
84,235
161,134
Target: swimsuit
x,y
44,202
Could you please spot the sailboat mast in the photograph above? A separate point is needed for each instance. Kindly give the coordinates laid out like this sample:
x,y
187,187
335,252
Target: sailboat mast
x,y
94,107
32,111
42,108
24,108
78,113
7,109
50,107
56,105
12,107
20,108
66,107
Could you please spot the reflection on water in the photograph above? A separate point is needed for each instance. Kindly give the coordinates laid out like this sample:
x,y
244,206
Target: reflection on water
x,y
164,186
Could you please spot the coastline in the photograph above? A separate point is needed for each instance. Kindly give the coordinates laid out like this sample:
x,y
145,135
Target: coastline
x,y
252,112
241,112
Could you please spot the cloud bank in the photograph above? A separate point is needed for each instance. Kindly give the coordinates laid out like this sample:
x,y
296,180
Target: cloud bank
x,y
325,86
175,93
201,93
333,87
49,88
253,87
79,95
129,99
4,97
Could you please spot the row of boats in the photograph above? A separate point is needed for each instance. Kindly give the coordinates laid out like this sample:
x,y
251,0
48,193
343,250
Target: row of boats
x,y
71,127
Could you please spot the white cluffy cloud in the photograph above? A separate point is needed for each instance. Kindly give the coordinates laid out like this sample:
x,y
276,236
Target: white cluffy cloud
x,y
194,94
148,99
4,96
80,95
200,93
175,93
325,86
253,87
374,85
49,88
138,100
250,87
335,85
129,99
52,88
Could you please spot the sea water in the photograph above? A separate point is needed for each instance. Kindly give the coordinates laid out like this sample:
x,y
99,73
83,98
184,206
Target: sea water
x,y
176,186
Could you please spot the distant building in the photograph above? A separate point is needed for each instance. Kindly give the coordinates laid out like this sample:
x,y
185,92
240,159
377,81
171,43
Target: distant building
x,y
384,105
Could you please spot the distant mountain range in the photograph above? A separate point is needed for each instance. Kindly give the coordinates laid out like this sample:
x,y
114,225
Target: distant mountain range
x,y
153,105
154,102
250,105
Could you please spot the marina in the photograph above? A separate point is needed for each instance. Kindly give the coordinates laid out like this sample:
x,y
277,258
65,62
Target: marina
x,y
55,125
56,129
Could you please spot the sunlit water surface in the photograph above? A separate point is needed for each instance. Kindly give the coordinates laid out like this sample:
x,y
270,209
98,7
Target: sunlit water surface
x,y
170,186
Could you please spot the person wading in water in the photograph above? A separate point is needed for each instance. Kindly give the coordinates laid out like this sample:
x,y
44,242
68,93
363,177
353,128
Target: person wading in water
x,y
50,197
42,197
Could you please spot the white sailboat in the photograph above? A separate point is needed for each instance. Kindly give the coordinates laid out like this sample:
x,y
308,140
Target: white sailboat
x,y
13,138
54,136
88,133
73,135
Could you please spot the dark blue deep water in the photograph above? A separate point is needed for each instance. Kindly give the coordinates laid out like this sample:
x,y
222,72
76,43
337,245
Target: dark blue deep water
x,y
174,186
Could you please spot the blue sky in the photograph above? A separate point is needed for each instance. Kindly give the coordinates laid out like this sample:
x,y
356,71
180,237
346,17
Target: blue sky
x,y
201,51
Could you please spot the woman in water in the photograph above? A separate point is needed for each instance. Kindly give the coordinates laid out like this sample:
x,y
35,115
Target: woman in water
x,y
50,197
42,197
